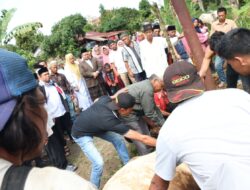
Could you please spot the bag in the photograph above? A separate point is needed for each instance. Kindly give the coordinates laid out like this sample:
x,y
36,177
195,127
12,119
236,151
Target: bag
x,y
15,178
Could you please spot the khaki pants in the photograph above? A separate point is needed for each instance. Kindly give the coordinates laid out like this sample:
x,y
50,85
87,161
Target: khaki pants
x,y
125,79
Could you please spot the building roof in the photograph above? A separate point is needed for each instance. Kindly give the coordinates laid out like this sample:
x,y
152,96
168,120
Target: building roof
x,y
101,36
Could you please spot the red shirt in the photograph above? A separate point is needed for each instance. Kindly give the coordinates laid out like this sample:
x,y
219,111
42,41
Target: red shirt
x,y
161,100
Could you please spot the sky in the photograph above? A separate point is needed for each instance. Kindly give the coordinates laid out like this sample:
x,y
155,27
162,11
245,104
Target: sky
x,y
49,12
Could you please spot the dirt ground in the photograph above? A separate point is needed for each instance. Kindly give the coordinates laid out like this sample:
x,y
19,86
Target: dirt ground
x,y
111,160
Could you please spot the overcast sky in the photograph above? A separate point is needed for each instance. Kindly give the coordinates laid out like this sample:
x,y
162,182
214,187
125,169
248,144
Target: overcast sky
x,y
49,12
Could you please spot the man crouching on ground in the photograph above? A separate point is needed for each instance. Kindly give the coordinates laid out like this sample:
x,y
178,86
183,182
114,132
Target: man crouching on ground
x,y
101,120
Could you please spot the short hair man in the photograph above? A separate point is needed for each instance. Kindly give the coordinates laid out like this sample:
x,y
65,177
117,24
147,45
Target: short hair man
x,y
116,60
156,29
23,131
213,49
101,120
234,47
153,54
132,59
197,134
143,92
177,43
91,70
222,25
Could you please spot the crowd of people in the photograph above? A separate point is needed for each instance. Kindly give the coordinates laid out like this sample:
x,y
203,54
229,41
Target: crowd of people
x,y
132,89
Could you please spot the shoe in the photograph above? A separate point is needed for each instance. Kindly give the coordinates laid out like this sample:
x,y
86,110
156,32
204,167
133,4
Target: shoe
x,y
222,84
71,168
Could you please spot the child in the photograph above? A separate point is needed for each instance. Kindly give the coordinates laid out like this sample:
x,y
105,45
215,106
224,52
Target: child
x,y
112,79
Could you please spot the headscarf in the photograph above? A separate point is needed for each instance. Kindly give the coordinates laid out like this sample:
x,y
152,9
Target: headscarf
x,y
120,42
97,56
73,67
197,28
105,57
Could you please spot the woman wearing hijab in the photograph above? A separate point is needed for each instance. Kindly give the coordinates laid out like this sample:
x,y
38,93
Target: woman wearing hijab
x,y
73,75
105,54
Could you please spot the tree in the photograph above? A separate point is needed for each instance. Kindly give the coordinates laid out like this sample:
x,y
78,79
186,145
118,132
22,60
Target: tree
x,y
145,9
66,37
120,19
4,22
29,41
5,18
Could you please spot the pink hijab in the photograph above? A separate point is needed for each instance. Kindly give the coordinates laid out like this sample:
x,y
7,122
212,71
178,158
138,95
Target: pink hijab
x,y
105,57
96,53
203,38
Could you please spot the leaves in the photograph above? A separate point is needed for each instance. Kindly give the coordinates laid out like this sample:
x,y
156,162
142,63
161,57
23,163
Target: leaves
x,y
120,19
66,36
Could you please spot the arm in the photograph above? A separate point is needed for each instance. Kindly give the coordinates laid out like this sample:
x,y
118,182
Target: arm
x,y
130,73
131,134
164,113
158,183
206,62
99,65
123,90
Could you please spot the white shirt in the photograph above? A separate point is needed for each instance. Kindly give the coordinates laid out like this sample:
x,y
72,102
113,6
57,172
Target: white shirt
x,y
153,56
50,122
211,134
89,63
54,106
49,178
116,58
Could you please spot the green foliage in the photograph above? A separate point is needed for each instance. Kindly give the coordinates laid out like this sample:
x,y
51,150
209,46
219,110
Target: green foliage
x,y
66,37
120,19
5,18
145,9
29,41
243,15
90,27
22,29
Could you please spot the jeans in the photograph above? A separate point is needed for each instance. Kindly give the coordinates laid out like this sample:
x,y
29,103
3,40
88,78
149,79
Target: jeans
x,y
89,149
141,127
218,63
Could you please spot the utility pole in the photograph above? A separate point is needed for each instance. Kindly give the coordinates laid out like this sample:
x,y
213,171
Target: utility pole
x,y
182,12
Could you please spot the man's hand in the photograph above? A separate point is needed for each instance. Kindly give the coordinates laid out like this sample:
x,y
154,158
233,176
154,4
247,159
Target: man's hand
x,y
130,73
123,90
95,74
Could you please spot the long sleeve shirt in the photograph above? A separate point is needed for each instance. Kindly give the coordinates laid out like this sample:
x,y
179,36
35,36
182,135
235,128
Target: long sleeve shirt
x,y
144,97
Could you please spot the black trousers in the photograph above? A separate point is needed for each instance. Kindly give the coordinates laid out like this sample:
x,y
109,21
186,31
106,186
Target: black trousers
x,y
62,124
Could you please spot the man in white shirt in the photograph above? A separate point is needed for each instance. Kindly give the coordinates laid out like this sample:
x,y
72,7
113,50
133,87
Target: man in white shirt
x,y
215,146
58,110
153,54
116,59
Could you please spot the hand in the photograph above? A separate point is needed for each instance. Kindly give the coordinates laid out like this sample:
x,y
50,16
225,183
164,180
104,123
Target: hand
x,y
72,97
202,75
123,90
178,56
95,74
130,73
